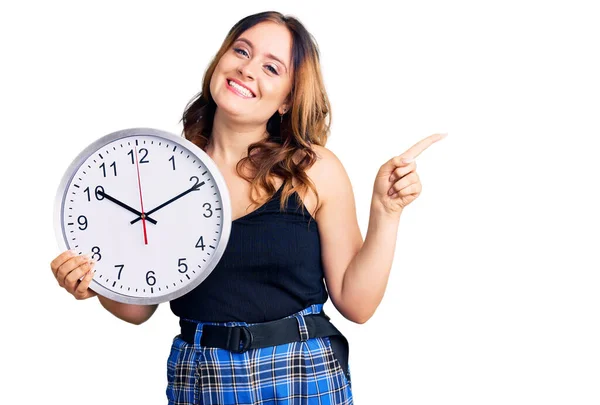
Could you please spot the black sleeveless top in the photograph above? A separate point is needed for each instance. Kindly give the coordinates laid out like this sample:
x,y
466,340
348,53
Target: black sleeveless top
x,y
271,268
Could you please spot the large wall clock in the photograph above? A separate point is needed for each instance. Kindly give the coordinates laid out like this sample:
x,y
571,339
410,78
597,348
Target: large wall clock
x,y
153,210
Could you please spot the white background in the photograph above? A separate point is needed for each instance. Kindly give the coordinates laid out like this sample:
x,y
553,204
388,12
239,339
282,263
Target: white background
x,y
493,296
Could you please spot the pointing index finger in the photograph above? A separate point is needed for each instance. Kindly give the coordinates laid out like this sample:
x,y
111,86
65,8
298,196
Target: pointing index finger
x,y
420,146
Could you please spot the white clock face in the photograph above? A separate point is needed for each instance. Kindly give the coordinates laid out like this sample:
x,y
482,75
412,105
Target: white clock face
x,y
153,210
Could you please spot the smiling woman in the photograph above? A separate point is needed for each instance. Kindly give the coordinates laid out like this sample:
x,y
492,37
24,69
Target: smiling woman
x,y
254,330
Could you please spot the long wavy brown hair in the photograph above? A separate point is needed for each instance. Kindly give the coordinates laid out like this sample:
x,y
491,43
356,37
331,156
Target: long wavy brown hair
x,y
291,135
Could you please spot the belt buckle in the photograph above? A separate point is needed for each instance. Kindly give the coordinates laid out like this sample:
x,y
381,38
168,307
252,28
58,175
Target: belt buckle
x,y
240,339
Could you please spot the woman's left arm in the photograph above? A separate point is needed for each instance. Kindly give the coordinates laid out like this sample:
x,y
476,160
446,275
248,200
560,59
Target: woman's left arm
x,y
357,272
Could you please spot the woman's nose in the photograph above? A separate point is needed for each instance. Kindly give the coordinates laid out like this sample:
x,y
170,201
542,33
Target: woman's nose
x,y
247,70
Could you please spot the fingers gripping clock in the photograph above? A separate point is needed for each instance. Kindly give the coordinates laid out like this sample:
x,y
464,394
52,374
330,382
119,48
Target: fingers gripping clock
x,y
153,210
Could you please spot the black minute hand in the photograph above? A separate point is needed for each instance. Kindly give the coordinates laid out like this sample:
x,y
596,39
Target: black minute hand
x,y
177,197
122,204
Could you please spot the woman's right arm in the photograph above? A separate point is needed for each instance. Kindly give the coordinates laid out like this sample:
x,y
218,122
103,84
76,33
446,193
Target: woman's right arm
x,y
74,273
136,314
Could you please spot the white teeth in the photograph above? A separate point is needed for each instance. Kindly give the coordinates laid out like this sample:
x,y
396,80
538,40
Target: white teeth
x,y
241,89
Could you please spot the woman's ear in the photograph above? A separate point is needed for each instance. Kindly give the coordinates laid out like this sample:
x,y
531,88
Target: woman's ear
x,y
285,107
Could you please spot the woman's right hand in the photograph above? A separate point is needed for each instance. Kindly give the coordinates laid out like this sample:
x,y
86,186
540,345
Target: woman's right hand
x,y
74,273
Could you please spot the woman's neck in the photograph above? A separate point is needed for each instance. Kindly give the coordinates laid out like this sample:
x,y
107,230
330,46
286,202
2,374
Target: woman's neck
x,y
229,140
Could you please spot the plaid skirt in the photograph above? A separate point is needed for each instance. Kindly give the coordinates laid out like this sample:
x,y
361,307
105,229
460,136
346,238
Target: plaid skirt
x,y
305,372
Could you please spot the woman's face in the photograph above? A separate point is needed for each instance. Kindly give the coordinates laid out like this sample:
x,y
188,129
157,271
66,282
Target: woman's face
x,y
253,78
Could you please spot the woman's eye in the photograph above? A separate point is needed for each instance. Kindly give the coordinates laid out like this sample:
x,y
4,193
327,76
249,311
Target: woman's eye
x,y
240,51
272,69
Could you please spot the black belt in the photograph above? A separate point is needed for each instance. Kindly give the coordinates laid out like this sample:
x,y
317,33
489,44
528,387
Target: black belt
x,y
239,339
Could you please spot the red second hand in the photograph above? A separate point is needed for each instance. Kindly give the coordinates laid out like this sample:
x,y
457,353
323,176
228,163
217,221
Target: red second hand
x,y
137,166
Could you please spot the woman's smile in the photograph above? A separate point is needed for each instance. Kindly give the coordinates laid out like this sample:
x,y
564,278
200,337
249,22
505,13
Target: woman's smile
x,y
238,88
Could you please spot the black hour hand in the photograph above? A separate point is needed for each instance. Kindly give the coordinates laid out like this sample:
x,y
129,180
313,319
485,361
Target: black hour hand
x,y
127,207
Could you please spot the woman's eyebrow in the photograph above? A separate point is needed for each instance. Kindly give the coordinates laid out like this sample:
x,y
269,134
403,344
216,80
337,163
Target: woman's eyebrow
x,y
269,55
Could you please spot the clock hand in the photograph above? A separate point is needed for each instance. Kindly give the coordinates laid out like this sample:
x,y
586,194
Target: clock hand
x,y
122,204
193,188
143,215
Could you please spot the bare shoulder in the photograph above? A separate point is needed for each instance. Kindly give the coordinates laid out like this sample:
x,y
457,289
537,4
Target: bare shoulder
x,y
327,173
327,169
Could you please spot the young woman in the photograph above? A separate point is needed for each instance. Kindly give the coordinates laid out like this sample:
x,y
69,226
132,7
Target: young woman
x,y
254,332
